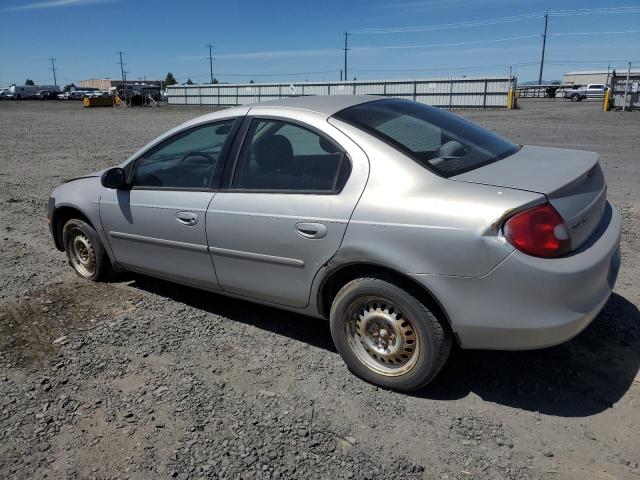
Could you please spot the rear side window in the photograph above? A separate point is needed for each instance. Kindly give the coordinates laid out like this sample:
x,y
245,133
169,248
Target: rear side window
x,y
281,156
438,140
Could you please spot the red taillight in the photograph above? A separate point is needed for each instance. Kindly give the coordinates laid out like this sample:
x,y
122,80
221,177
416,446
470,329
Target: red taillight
x,y
539,231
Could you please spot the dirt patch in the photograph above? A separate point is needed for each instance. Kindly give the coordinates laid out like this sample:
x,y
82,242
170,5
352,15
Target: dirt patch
x,y
34,327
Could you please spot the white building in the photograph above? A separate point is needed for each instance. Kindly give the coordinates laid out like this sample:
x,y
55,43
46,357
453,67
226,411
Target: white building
x,y
584,77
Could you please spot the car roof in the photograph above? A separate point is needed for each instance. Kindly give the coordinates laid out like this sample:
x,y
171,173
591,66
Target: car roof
x,y
324,104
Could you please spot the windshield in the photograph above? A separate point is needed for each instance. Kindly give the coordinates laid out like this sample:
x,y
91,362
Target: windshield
x,y
438,140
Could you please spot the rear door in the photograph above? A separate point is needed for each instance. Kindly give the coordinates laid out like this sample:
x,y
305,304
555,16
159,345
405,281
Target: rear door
x,y
595,91
158,225
287,203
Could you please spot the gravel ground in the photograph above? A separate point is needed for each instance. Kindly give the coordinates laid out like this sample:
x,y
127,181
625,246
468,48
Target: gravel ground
x,y
139,378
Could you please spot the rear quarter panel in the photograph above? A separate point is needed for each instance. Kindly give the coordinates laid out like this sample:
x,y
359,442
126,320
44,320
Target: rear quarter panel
x,y
414,221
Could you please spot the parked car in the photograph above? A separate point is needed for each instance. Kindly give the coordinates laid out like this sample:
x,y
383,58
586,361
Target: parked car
x,y
22,92
77,94
582,92
47,95
407,227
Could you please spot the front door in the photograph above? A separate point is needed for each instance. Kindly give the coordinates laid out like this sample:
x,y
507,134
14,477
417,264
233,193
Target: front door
x,y
286,209
158,226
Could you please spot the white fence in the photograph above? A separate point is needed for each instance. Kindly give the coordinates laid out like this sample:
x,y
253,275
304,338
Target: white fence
x,y
463,92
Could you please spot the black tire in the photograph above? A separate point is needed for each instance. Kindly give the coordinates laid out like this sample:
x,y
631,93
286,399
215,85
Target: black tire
x,y
80,232
432,339
576,97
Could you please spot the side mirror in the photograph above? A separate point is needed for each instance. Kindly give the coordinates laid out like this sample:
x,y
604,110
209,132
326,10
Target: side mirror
x,y
114,178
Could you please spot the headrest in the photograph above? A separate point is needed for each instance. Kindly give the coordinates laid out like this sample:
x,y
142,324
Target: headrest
x,y
452,148
274,153
328,146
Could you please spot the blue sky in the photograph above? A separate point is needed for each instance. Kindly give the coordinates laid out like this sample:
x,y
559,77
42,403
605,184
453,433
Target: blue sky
x,y
295,40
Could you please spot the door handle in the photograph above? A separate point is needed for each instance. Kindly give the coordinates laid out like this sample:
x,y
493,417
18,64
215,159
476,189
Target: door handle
x,y
311,230
187,218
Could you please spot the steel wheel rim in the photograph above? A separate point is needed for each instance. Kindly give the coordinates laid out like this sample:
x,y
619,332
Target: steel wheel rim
x,y
382,336
83,256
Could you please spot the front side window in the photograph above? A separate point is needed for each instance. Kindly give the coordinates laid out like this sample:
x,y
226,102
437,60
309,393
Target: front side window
x,y
189,159
281,156
439,140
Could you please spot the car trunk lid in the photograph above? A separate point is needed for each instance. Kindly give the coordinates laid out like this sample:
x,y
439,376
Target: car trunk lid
x,y
572,181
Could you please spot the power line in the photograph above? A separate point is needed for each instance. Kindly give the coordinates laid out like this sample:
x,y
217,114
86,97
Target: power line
x,y
447,26
568,34
559,62
436,69
456,44
495,40
283,74
499,20
594,11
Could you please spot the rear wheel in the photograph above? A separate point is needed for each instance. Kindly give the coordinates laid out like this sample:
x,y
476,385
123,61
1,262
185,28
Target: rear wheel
x,y
386,336
85,251
575,97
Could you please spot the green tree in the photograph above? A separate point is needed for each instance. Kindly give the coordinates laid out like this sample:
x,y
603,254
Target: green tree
x,y
68,87
189,82
215,80
28,81
170,79
251,81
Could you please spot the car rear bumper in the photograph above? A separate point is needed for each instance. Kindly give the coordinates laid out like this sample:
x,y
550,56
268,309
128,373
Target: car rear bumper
x,y
528,302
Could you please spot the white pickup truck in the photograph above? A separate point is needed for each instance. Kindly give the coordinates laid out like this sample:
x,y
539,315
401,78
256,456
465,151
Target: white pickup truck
x,y
581,92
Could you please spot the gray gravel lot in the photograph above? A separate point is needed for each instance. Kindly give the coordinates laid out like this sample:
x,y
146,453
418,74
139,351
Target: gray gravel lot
x,y
142,379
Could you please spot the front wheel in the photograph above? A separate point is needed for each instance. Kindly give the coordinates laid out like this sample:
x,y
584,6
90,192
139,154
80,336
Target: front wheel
x,y
85,251
576,97
386,336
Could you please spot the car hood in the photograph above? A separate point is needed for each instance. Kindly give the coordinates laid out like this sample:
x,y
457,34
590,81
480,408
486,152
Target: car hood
x,y
88,175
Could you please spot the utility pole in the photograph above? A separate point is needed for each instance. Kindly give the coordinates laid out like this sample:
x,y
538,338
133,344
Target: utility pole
x,y
544,44
210,62
124,85
626,89
53,67
346,49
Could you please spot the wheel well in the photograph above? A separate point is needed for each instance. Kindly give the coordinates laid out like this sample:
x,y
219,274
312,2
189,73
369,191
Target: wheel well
x,y
61,216
338,279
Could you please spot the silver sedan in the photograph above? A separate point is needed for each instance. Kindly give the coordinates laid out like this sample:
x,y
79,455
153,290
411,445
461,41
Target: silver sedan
x,y
405,226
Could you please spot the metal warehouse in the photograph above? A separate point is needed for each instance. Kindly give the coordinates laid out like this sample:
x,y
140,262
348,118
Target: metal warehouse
x,y
584,77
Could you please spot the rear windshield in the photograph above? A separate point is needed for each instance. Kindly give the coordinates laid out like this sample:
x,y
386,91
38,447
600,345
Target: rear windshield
x,y
438,140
